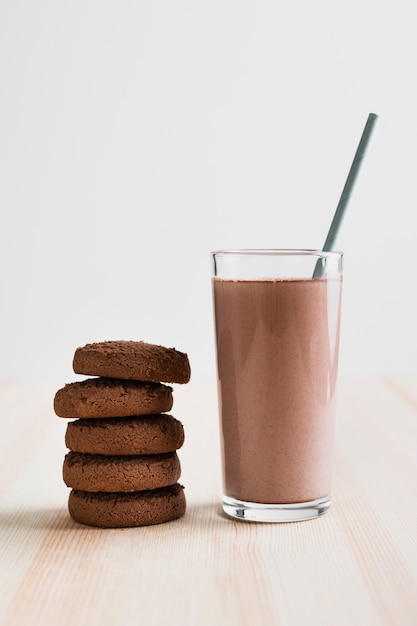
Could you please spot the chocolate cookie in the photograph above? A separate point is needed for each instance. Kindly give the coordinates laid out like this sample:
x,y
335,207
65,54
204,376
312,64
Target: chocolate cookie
x,y
118,510
97,472
149,434
110,397
132,360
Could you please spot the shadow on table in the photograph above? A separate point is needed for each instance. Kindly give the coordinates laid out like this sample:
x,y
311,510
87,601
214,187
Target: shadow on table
x,y
200,513
204,513
44,519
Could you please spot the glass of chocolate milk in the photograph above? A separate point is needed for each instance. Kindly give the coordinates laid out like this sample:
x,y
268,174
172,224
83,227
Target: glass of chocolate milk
x,y
277,340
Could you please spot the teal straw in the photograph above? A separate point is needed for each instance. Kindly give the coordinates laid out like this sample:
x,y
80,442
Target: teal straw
x,y
346,193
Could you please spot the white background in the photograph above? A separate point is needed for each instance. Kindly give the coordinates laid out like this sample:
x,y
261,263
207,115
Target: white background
x,y
137,136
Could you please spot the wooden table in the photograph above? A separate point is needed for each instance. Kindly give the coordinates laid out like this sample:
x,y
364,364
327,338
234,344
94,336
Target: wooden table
x,y
356,565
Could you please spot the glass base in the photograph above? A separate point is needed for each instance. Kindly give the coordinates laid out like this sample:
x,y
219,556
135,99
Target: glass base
x,y
254,512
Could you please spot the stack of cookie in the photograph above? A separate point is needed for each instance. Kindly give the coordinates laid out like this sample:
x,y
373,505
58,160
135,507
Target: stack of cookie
x,y
123,466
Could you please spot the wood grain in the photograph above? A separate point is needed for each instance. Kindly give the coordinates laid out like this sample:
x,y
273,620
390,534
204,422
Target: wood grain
x,y
355,565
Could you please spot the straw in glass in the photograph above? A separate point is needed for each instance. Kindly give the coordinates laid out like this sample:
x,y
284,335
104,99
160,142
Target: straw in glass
x,y
346,193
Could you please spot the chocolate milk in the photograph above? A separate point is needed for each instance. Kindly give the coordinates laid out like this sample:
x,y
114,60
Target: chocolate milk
x,y
277,354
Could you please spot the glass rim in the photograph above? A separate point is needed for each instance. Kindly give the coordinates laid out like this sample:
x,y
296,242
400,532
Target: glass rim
x,y
276,252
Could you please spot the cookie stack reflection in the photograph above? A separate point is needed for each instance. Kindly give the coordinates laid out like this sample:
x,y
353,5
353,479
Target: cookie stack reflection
x,y
122,465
